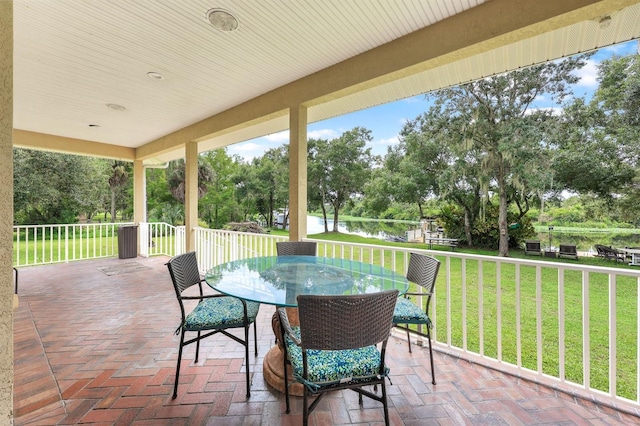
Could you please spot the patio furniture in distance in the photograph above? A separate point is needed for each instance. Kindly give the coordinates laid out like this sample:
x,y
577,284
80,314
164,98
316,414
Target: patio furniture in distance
x,y
214,313
296,248
532,247
336,345
607,252
422,270
569,251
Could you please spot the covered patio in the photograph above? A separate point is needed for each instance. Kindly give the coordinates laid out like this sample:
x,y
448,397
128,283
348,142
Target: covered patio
x,y
95,343
154,81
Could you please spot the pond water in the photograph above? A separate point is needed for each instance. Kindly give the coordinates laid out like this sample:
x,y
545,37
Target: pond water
x,y
370,228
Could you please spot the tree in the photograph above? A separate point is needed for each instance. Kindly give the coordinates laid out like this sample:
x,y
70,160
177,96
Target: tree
x,y
158,194
119,177
64,186
494,119
317,177
342,167
176,178
590,158
218,206
263,186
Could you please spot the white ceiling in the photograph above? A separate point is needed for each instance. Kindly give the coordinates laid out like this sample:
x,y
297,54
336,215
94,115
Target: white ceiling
x,y
72,59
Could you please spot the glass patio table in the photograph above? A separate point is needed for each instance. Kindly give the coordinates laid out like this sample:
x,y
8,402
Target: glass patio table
x,y
278,280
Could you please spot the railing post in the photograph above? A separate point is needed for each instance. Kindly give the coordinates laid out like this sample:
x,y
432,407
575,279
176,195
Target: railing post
x,y
143,231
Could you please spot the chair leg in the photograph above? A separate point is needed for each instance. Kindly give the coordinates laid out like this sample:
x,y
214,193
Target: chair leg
x,y
305,408
286,380
255,337
197,348
385,407
433,371
175,386
246,357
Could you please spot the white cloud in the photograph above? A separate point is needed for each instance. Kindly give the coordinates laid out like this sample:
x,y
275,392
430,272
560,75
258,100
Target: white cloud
x,y
588,74
379,146
386,142
278,137
557,111
322,134
246,147
247,150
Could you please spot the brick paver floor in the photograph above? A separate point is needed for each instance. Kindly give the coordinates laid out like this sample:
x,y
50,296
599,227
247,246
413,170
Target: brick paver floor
x,y
95,344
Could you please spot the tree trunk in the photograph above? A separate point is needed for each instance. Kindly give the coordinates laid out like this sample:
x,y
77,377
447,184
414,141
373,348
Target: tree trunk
x,y
467,227
503,229
335,219
113,205
324,216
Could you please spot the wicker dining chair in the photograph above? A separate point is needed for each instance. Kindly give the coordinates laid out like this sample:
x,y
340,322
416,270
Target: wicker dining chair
x,y
214,313
296,248
335,346
422,270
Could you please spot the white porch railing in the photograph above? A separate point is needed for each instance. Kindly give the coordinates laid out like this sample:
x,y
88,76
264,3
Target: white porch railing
x,y
567,325
160,239
214,246
44,244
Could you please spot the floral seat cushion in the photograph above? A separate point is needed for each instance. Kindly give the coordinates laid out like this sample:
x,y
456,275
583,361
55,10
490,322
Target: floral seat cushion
x,y
220,313
327,368
406,312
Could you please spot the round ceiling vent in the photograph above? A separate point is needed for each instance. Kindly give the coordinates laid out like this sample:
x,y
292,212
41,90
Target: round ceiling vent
x,y
222,20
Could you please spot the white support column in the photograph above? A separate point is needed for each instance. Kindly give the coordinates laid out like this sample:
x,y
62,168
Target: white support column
x,y
139,196
6,212
297,173
191,194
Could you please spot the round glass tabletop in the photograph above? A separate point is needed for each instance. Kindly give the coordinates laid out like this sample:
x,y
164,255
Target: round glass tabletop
x,y
278,280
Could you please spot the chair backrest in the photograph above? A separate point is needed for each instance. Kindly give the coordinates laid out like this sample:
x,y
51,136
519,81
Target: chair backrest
x,y
296,248
568,248
423,270
345,321
184,271
532,245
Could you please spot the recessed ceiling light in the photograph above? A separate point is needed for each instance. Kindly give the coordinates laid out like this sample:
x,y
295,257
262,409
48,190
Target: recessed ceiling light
x,y
116,107
222,20
155,75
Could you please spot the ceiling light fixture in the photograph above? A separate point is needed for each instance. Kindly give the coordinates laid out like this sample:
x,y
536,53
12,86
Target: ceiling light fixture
x,y
222,20
155,75
116,107
604,22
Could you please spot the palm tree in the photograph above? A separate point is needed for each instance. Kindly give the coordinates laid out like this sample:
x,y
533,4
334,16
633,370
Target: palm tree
x,y
118,179
175,178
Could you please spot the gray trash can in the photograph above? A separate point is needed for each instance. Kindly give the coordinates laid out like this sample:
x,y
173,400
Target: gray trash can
x,y
127,241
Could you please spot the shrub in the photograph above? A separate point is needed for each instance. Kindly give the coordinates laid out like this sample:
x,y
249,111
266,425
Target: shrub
x,y
244,227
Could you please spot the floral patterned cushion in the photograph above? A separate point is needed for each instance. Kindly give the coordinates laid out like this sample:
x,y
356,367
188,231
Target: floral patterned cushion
x,y
406,312
326,368
220,312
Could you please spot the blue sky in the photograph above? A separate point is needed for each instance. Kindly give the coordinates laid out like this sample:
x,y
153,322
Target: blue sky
x,y
385,121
